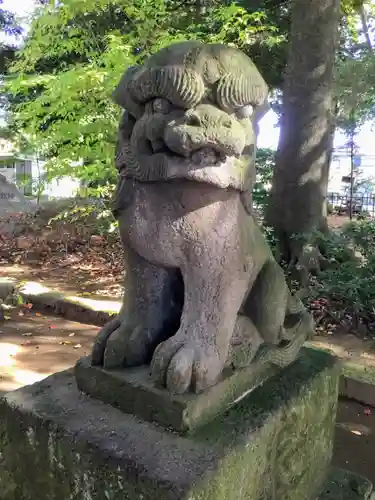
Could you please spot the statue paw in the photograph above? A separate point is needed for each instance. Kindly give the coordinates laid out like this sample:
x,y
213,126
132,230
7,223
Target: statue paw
x,y
181,364
120,344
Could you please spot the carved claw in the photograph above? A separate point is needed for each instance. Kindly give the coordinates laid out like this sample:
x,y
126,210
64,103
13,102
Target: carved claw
x,y
182,364
121,344
98,349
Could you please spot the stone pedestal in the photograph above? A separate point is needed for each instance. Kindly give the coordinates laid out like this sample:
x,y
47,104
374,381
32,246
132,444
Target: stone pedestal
x,y
59,444
132,391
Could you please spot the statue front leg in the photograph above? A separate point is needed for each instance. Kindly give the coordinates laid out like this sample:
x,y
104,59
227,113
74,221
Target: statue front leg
x,y
148,314
215,283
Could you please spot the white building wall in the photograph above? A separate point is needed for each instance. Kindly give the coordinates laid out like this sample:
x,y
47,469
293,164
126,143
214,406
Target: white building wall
x,y
65,187
341,167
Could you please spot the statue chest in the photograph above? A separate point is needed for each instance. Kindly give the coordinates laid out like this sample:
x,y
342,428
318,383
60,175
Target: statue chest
x,y
164,222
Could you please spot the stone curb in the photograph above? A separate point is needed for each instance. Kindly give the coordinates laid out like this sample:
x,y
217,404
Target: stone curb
x,y
358,390
90,309
356,383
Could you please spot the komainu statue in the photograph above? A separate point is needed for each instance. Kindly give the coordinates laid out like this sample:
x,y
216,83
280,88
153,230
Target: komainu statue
x,y
202,289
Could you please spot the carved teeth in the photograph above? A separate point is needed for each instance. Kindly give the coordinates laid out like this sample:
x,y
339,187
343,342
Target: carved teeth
x,y
205,156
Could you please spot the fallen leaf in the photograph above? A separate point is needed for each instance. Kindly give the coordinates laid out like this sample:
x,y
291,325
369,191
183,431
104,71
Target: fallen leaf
x,y
65,342
77,346
71,334
354,428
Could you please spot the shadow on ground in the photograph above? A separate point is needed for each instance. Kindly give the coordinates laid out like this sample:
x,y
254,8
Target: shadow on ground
x,y
33,346
355,439
73,276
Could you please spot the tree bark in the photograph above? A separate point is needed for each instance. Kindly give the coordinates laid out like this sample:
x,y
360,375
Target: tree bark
x,y
297,204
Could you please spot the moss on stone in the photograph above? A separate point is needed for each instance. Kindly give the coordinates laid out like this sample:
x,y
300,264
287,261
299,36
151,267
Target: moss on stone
x,y
290,421
58,444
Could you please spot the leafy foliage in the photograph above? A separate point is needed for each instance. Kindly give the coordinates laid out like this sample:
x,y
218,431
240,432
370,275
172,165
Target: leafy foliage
x,y
355,66
60,90
60,93
342,294
8,26
265,163
354,91
348,285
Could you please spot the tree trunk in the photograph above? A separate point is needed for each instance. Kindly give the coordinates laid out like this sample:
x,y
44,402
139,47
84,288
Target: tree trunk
x,y
297,205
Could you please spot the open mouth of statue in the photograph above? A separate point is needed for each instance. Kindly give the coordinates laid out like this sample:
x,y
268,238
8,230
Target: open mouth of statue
x,y
205,156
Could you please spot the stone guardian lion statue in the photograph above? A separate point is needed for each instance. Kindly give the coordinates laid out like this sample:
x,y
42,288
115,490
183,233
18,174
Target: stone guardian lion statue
x,y
202,288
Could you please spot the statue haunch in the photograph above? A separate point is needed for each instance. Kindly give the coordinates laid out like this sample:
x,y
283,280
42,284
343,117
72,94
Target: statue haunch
x,y
202,289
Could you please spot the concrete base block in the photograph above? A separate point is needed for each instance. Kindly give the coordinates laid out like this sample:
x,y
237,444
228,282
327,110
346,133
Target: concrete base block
x,y
59,444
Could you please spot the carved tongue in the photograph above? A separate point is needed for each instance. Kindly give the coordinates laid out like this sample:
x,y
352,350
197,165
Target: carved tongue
x,y
205,156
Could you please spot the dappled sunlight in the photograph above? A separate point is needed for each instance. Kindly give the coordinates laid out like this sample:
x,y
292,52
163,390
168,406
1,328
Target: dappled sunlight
x,y
26,377
18,378
355,428
110,306
34,288
34,346
7,353
315,172
11,375
6,280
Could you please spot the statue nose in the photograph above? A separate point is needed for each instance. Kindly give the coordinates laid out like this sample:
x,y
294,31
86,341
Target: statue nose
x,y
193,119
201,118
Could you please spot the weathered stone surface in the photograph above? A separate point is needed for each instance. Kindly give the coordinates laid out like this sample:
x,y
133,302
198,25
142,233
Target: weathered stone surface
x,y
58,444
199,271
132,391
345,485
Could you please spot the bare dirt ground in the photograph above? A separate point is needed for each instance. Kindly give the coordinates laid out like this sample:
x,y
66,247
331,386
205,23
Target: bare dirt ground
x,y
66,256
34,346
71,275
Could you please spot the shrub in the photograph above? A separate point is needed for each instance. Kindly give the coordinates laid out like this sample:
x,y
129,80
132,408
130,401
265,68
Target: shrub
x,y
347,287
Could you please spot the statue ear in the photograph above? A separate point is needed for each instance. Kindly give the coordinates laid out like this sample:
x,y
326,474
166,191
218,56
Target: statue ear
x,y
123,97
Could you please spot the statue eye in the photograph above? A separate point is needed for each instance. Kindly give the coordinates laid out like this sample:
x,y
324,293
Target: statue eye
x,y
245,112
162,106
